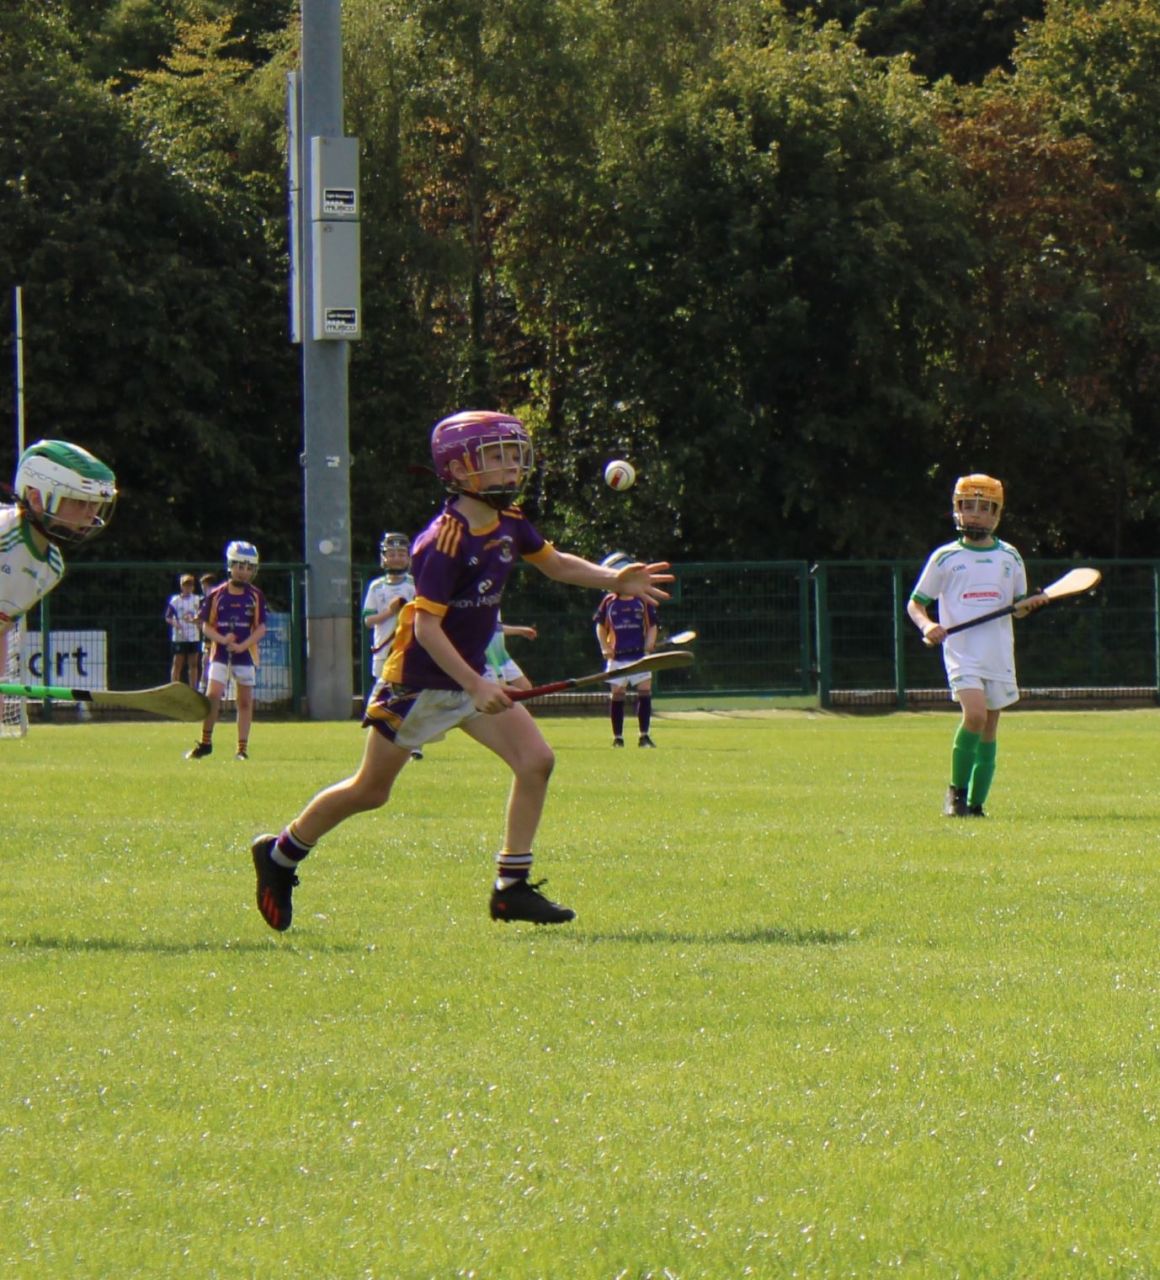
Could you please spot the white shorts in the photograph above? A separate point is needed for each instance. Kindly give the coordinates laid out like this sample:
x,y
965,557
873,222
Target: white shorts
x,y
221,672
614,664
410,718
998,693
506,674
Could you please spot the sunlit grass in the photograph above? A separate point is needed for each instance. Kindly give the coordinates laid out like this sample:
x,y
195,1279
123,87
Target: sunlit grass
x,y
802,1025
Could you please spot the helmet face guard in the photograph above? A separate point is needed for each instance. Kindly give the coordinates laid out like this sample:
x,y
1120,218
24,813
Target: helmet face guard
x,y
241,555
481,442
61,473
398,547
977,505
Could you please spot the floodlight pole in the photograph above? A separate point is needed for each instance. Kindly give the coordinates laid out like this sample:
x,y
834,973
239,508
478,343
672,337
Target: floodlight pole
x,y
324,332
18,307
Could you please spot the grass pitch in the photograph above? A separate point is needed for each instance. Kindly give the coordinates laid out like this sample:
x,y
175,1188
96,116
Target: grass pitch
x,y
803,1025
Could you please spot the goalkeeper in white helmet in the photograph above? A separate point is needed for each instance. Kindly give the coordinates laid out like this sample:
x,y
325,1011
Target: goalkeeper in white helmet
x,y
975,574
63,496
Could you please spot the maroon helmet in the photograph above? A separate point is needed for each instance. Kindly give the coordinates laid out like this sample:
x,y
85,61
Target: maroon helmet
x,y
479,440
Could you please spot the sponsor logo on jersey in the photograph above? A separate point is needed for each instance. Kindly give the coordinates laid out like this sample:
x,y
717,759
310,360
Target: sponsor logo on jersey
x,y
475,602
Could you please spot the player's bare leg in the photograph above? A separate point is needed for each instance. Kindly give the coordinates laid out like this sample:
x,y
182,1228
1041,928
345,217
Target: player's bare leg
x,y
276,857
515,737
214,692
245,719
368,788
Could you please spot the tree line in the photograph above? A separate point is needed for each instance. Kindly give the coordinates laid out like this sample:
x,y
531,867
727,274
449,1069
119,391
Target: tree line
x,y
803,265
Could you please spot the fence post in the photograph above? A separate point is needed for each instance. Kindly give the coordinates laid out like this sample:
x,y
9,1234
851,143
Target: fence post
x,y
804,635
899,639
822,623
297,682
1156,629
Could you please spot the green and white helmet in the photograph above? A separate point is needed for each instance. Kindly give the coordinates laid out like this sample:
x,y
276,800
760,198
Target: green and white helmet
x,y
58,471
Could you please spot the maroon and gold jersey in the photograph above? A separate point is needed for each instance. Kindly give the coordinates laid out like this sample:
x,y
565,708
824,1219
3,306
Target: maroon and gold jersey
x,y
460,574
240,612
630,621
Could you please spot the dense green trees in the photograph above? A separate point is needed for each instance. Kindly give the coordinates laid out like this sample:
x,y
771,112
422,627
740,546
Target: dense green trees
x,y
760,298
154,327
801,285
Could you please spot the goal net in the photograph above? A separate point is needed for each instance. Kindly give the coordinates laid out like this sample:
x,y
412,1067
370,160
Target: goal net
x,y
13,712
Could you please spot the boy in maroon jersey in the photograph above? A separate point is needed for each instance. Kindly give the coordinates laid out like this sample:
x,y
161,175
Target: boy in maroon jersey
x,y
233,619
434,678
626,629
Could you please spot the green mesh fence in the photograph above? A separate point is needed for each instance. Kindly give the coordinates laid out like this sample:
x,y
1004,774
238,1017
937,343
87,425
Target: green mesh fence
x,y
836,629
104,627
1104,643
751,619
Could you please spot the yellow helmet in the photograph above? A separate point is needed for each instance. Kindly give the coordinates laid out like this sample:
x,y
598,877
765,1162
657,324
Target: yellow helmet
x,y
978,490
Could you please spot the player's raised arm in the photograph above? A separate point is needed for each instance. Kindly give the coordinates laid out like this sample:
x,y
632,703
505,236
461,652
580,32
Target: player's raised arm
x,y
643,580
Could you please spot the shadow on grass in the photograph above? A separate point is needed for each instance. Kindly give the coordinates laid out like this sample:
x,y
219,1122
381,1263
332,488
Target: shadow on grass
x,y
768,936
158,946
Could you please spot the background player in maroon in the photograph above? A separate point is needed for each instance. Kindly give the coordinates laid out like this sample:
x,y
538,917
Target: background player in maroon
x,y
434,678
626,629
233,619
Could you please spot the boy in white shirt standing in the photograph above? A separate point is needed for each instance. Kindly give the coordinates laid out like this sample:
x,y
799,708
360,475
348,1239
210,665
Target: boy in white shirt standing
x,y
384,601
386,596
975,574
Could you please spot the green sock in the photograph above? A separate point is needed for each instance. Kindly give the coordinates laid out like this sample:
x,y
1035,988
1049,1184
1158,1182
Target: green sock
x,y
983,772
963,756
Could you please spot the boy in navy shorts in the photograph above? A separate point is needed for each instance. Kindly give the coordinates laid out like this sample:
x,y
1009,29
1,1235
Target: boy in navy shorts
x,y
434,678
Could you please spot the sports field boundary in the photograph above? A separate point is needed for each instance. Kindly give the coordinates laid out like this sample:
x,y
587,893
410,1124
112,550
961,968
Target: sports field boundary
x,y
1076,698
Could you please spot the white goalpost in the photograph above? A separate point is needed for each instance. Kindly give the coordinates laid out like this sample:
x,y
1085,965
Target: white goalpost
x,y
13,710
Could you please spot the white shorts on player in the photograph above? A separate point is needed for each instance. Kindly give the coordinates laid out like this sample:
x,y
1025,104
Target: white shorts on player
x,y
219,673
998,693
629,682
411,718
506,673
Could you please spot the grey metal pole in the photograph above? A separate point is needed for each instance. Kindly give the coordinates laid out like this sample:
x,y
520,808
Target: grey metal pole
x,y
19,305
325,406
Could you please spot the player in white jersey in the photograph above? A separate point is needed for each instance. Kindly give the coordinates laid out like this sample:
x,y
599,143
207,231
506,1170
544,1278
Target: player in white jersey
x,y
181,613
384,601
975,574
63,495
386,596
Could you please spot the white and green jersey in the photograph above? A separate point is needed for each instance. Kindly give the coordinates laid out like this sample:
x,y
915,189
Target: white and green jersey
x,y
380,592
26,574
968,581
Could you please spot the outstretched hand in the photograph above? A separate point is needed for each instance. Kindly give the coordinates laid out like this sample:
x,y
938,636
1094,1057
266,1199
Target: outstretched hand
x,y
642,580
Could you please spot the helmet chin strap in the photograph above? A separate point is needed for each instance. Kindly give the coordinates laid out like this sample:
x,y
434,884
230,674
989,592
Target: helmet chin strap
x,y
498,500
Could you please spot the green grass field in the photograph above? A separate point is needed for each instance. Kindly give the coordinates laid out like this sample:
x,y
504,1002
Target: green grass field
x,y
803,1025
